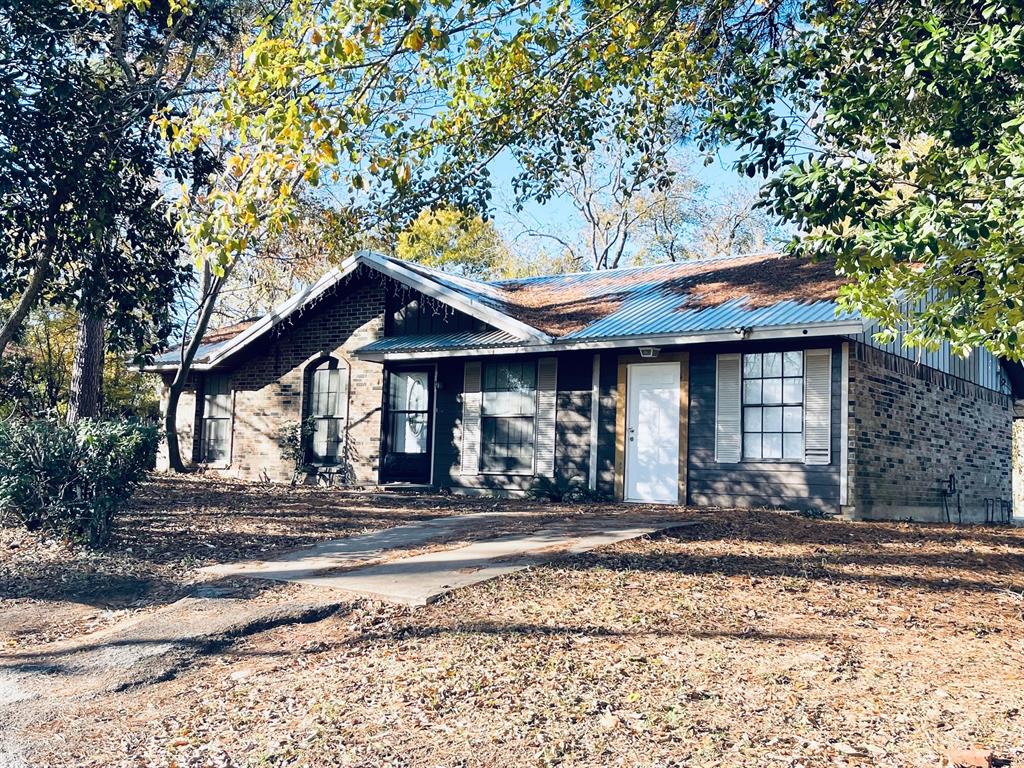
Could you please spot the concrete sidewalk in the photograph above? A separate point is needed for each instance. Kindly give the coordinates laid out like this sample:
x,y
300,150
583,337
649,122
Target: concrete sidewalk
x,y
424,578
332,555
353,564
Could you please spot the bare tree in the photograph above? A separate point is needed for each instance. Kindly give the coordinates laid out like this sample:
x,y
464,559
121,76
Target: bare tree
x,y
627,219
604,188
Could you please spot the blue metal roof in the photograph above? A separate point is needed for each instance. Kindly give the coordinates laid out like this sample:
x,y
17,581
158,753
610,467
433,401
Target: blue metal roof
x,y
173,356
439,341
638,301
751,291
652,312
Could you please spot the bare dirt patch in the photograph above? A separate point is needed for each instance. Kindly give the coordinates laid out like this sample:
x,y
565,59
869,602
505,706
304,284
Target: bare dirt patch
x,y
752,639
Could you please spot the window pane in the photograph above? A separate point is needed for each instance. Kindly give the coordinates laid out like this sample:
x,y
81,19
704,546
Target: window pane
x,y
409,391
409,432
507,444
772,364
510,389
752,392
321,405
509,403
772,420
793,390
793,364
327,438
752,446
772,391
215,440
752,419
752,366
793,445
772,446
792,420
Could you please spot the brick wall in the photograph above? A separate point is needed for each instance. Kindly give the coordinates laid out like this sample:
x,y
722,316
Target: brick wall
x,y
911,427
269,380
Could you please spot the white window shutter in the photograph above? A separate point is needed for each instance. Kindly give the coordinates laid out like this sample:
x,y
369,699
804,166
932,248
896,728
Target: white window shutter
x,y
818,406
728,440
547,395
471,419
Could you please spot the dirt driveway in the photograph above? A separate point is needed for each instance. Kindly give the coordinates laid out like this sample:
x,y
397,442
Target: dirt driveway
x,y
750,639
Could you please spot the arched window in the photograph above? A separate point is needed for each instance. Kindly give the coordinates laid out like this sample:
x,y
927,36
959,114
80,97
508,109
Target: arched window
x,y
328,409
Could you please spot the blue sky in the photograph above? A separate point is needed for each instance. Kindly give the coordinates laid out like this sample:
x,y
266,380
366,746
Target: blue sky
x,y
558,215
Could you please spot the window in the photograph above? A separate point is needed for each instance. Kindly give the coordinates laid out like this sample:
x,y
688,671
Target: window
x,y
408,402
215,447
508,410
773,406
328,406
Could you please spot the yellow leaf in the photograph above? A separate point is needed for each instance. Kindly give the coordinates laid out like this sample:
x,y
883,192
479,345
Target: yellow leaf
x,y
414,40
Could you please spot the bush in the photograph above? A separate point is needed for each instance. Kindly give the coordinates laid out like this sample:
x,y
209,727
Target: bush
x,y
293,438
72,479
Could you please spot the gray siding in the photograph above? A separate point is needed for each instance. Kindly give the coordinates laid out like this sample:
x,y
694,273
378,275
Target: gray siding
x,y
606,424
980,367
790,485
572,430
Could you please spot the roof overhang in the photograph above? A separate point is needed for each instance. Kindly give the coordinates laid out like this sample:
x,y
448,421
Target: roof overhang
x,y
384,266
837,328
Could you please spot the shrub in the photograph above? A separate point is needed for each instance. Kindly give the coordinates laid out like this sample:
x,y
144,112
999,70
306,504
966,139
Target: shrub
x,y
293,438
72,479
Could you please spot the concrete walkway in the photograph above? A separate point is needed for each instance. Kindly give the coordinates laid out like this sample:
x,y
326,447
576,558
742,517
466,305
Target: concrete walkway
x,y
334,554
353,564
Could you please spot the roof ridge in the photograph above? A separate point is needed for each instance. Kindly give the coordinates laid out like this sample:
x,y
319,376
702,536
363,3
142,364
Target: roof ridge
x,y
637,268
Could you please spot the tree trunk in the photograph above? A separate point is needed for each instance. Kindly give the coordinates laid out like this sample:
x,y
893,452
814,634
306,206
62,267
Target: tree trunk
x,y
209,291
174,462
87,372
27,300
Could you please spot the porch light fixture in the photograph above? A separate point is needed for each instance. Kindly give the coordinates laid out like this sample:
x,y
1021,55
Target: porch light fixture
x,y
649,353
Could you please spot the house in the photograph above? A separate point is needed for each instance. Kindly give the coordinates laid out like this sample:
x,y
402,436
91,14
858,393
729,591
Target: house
x,y
729,382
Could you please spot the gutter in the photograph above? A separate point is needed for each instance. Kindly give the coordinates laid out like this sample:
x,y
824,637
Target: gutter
x,y
840,328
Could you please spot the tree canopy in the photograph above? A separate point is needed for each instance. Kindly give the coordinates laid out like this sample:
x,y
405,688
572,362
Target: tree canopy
x,y
888,131
83,220
892,135
399,105
457,242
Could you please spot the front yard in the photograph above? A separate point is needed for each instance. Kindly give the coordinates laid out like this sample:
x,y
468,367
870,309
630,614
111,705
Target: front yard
x,y
753,639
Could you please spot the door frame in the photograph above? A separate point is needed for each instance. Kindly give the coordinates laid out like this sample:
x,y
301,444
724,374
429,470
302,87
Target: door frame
x,y
621,403
385,423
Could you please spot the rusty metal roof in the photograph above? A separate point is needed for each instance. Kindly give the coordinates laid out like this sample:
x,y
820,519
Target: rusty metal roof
x,y
753,290
758,292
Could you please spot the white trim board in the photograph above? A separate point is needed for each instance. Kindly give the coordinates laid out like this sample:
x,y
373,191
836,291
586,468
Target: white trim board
x,y
837,328
844,426
382,264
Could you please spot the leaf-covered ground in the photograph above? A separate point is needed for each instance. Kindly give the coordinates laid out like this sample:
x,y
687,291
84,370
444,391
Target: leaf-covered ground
x,y
751,639
53,590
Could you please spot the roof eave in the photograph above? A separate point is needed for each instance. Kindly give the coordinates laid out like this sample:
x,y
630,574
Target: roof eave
x,y
830,328
384,266
471,307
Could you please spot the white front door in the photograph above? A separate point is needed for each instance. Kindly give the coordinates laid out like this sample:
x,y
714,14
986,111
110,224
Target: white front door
x,y
652,433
